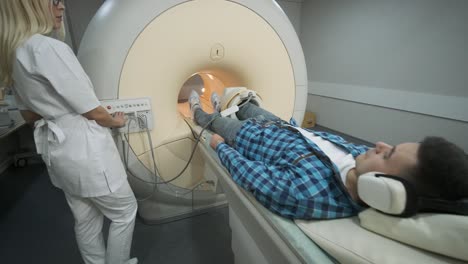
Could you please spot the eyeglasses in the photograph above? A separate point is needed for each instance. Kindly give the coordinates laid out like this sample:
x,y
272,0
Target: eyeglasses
x,y
57,2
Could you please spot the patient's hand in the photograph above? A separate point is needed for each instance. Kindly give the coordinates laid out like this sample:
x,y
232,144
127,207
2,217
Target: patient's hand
x,y
215,140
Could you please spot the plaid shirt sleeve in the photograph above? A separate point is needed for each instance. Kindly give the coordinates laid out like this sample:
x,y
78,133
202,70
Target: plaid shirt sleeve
x,y
272,187
262,181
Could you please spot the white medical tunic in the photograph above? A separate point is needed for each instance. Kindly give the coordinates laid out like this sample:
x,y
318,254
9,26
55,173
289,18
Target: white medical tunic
x,y
81,155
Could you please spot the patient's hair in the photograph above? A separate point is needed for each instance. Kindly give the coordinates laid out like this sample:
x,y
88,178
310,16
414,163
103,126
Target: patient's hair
x,y
442,170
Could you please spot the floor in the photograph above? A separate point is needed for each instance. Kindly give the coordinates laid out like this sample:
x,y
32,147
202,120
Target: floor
x,y
36,226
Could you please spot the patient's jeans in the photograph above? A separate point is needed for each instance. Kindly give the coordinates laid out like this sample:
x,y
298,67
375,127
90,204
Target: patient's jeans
x,y
228,127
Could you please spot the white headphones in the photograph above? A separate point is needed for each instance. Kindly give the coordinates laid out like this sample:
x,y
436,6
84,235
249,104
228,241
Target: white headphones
x,y
397,196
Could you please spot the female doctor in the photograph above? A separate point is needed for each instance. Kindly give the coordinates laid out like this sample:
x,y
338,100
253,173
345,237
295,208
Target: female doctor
x,y
54,92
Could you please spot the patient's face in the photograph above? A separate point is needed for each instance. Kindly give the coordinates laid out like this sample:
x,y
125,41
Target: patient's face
x,y
388,159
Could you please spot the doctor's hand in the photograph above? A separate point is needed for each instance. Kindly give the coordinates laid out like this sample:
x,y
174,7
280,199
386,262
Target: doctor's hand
x,y
103,118
215,140
119,119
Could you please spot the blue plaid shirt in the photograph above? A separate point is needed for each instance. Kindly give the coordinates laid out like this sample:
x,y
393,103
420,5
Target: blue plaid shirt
x,y
287,173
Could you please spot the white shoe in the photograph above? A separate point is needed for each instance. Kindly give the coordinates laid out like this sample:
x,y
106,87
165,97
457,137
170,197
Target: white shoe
x,y
215,102
194,101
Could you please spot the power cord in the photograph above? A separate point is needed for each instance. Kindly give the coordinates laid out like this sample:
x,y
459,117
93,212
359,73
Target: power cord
x,y
144,124
126,158
156,172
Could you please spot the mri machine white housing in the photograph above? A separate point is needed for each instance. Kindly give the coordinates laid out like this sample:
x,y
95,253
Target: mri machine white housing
x,y
149,48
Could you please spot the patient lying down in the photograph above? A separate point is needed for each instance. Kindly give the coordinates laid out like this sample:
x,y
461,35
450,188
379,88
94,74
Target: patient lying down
x,y
307,174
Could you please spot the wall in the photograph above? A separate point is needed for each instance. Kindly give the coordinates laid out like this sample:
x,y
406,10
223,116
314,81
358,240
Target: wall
x,y
388,70
292,8
78,15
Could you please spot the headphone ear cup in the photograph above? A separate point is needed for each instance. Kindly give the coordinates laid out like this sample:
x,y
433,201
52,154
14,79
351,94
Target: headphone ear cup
x,y
383,192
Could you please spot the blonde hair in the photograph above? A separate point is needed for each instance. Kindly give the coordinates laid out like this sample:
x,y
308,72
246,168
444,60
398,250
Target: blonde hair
x,y
19,20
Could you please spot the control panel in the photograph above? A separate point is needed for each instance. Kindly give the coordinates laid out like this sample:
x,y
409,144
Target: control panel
x,y
137,110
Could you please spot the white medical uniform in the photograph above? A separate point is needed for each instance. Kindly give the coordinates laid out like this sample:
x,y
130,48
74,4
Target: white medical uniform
x,y
80,155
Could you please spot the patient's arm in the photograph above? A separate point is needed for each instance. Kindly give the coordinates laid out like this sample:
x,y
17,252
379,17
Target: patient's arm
x,y
261,180
29,116
274,188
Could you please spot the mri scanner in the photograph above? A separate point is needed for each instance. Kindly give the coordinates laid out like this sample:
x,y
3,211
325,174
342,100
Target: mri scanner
x,y
144,58
161,50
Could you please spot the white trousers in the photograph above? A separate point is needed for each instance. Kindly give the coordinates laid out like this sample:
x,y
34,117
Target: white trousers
x,y
120,207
